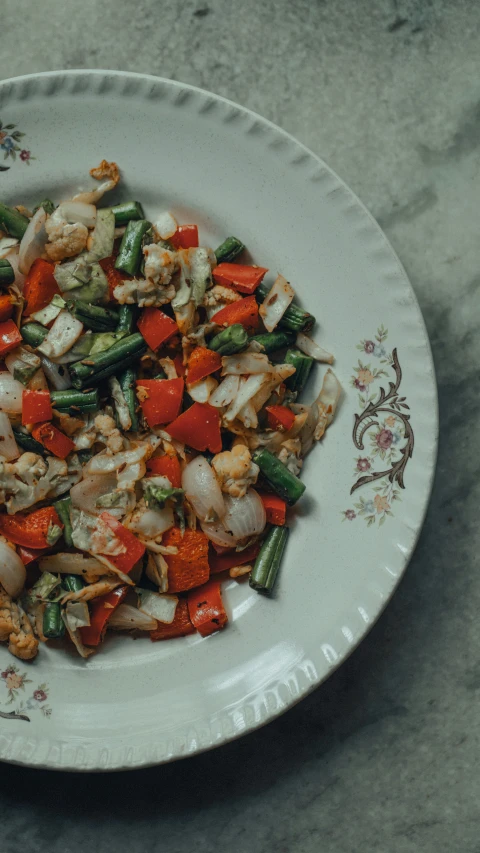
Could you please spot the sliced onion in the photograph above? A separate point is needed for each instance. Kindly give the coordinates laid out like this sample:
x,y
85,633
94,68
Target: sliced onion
x,y
248,416
276,303
6,245
62,335
161,607
151,522
245,516
246,362
12,571
72,564
86,493
311,348
33,241
128,618
57,374
248,388
166,225
8,445
216,532
226,392
200,391
202,489
77,614
11,391
77,211
12,258
327,402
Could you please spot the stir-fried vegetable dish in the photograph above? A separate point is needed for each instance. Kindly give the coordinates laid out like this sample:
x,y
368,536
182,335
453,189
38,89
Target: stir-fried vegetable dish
x,y
151,432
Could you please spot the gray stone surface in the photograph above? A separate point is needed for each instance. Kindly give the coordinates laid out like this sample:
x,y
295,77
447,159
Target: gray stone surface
x,y
385,756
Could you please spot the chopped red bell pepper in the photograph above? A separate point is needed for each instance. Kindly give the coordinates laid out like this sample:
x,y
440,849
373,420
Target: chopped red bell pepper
x,y
6,307
10,337
243,278
164,399
202,363
280,417
53,440
179,365
275,508
156,327
30,530
189,566
180,627
222,562
185,237
166,466
199,427
29,555
114,276
205,608
244,311
40,286
134,548
101,609
36,407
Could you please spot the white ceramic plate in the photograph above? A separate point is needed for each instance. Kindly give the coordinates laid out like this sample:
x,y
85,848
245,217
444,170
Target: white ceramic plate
x,y
232,172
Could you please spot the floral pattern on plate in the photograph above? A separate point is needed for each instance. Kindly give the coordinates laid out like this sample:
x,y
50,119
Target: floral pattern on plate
x,y
11,145
384,423
22,698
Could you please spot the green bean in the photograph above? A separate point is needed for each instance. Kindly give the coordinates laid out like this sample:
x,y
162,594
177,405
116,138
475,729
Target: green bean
x,y
7,275
273,341
13,222
33,333
230,341
26,442
267,564
62,507
53,625
127,379
104,364
302,364
294,318
282,481
228,251
130,253
127,318
72,583
75,401
126,211
94,316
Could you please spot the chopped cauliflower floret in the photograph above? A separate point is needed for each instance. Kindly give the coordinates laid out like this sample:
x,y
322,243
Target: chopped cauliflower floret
x,y
235,470
290,455
31,479
145,293
106,170
65,239
220,295
15,627
160,263
109,433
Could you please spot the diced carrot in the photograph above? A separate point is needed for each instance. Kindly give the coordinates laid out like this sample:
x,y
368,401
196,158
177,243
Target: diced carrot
x,y
275,508
202,363
189,566
53,439
10,337
185,237
6,307
243,278
180,627
30,530
244,311
205,608
223,562
280,417
40,286
166,466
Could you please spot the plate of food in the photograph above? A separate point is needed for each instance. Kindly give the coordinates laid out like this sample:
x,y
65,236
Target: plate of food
x,y
218,420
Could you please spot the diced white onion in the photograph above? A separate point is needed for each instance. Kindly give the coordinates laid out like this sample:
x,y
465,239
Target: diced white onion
x,y
62,336
12,571
311,348
8,445
245,516
33,241
86,493
57,375
216,532
165,225
202,489
200,391
11,391
161,607
246,362
276,303
128,618
77,211
226,392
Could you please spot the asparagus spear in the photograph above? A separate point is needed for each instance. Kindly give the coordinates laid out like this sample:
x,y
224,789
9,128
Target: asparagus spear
x,y
13,222
294,318
104,364
267,564
127,211
130,253
228,251
282,481
7,275
229,341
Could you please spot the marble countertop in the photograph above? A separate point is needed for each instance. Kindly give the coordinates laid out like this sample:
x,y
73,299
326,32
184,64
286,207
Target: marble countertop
x,y
385,756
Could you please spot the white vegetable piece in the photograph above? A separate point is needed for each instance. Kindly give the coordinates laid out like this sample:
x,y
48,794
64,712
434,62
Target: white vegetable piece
x,y
165,225
200,391
57,374
86,493
76,211
161,607
12,571
245,516
311,348
276,303
50,312
247,390
202,489
33,241
6,245
8,445
11,391
246,363
62,336
226,392
128,618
